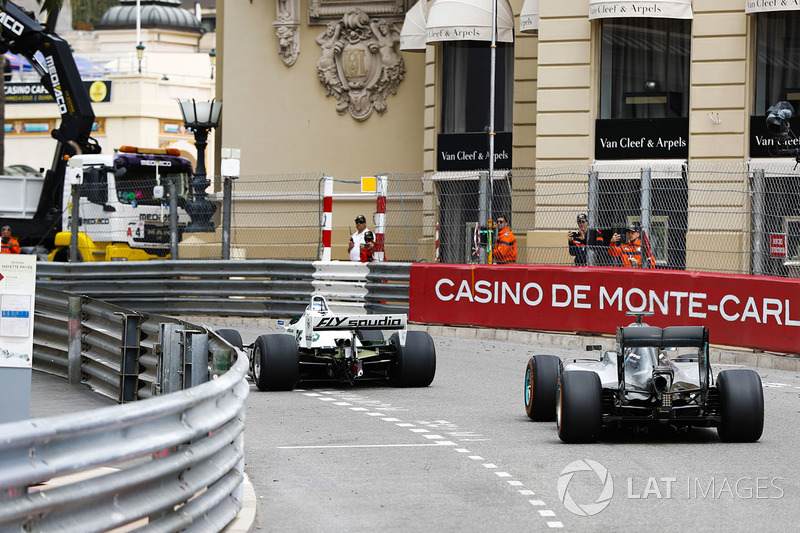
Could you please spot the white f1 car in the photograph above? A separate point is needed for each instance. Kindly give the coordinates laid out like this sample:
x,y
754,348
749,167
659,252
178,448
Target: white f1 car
x,y
324,346
655,376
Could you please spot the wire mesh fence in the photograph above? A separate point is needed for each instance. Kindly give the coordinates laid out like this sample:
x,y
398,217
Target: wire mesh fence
x,y
698,216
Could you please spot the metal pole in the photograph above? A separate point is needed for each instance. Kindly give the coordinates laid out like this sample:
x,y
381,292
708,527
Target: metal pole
x,y
74,334
492,70
593,213
74,253
227,191
758,221
483,210
645,204
173,219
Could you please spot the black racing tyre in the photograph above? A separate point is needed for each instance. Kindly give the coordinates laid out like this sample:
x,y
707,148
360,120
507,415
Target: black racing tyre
x,y
741,399
415,363
232,336
579,415
370,335
276,362
541,386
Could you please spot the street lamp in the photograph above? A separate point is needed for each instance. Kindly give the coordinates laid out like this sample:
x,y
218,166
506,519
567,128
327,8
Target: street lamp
x,y
200,117
140,54
212,58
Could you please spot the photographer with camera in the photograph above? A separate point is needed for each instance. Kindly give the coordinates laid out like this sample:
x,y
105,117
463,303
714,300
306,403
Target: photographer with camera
x,y
632,251
367,248
10,244
581,239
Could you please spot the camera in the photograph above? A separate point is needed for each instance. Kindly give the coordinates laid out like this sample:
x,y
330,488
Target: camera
x,y
573,234
5,240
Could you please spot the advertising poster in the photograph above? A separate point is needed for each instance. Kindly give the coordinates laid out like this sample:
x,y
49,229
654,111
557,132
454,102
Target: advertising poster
x,y
17,296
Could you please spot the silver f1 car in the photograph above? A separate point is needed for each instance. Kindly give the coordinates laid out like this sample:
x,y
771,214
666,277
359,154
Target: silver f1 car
x,y
655,376
324,346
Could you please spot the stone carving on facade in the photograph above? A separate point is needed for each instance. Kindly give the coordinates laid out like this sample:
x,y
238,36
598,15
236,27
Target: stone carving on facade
x,y
287,26
360,64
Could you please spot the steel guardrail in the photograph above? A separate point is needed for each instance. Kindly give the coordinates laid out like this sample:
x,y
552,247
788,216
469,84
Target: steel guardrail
x,y
176,460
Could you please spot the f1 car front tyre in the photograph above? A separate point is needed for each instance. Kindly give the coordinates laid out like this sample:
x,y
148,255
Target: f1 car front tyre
x,y
579,415
541,385
741,405
415,364
233,337
276,362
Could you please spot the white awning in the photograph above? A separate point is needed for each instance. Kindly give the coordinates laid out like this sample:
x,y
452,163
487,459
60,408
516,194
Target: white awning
x,y
412,36
667,9
529,16
469,20
767,6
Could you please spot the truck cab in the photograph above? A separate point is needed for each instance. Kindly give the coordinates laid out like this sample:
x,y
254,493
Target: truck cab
x,y
124,204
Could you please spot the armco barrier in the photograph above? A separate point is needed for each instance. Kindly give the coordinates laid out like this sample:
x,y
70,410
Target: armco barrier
x,y
175,461
276,289
756,312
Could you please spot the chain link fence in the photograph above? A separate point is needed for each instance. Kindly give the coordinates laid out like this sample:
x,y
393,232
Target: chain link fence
x,y
700,217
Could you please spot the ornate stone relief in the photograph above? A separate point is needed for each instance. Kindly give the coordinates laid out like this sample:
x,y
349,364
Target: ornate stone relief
x,y
287,25
360,64
323,11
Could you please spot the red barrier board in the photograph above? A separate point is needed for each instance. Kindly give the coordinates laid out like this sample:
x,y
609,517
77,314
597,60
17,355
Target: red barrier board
x,y
759,312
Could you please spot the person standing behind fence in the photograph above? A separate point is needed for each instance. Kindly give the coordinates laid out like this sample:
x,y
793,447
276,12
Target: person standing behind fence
x,y
354,247
580,241
10,244
631,251
368,248
505,248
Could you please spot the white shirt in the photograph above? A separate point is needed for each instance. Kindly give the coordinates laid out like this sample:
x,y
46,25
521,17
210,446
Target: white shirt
x,y
358,239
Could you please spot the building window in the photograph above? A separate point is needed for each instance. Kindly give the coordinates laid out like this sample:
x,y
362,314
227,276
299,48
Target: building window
x,y
777,53
465,86
645,68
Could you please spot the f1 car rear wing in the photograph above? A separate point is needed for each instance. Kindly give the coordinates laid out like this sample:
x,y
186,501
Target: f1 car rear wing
x,y
363,322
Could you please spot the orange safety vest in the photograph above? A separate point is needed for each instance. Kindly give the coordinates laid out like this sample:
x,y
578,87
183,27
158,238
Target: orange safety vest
x,y
12,247
630,253
505,249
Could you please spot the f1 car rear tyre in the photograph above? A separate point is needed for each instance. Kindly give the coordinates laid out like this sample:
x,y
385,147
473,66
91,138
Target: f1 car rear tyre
x,y
415,364
232,336
741,404
276,362
579,415
541,386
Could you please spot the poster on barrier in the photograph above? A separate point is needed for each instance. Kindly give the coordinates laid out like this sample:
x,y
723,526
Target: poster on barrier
x,y
759,312
17,296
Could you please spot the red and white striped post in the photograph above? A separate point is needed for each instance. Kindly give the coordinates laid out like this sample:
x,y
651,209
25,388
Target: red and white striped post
x,y
436,258
380,215
327,216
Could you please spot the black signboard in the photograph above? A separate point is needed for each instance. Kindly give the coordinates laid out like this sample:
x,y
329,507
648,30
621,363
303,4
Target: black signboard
x,y
470,151
36,93
657,138
763,144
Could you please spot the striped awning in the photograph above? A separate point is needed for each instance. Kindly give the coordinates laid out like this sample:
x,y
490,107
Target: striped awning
x,y
469,20
768,6
412,36
668,9
529,16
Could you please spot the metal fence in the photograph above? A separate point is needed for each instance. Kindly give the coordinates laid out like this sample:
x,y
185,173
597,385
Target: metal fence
x,y
172,463
277,289
697,216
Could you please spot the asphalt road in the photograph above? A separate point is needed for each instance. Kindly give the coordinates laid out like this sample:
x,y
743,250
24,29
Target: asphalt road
x,y
461,455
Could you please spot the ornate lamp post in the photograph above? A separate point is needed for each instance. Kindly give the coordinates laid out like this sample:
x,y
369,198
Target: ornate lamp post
x,y
200,117
212,58
140,55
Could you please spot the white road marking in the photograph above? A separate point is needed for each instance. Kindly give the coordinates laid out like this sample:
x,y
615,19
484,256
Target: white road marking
x,y
311,394
476,457
490,465
420,445
375,414
342,403
433,437
547,512
419,430
405,425
359,409
776,385
555,524
462,450
524,492
327,399
536,502
390,419
503,474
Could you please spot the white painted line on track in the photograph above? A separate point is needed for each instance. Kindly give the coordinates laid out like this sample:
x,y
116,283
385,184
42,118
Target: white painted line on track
x,y
462,450
414,445
375,414
536,503
418,430
503,474
359,409
405,425
390,419
476,457
490,465
327,399
342,403
524,492
311,394
555,524
547,512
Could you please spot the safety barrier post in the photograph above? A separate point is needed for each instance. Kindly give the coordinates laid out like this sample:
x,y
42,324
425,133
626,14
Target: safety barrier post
x,y
75,217
74,335
593,212
129,366
758,221
229,167
483,214
173,219
380,216
645,205
195,360
327,216
437,259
